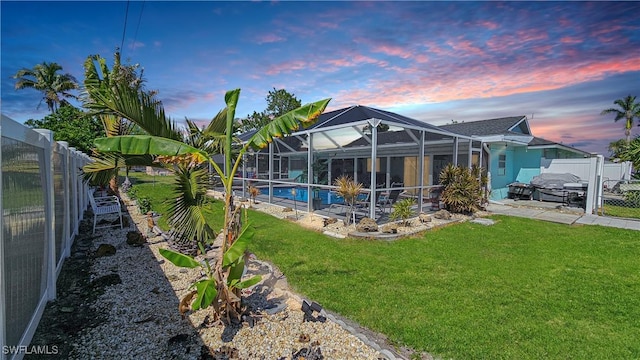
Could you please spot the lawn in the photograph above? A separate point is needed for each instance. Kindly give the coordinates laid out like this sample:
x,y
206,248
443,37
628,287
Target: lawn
x,y
520,289
622,211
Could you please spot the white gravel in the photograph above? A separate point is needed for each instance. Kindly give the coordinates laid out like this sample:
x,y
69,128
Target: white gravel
x,y
143,321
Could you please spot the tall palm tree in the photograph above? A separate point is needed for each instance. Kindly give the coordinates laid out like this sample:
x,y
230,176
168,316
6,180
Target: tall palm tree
x,y
53,85
629,110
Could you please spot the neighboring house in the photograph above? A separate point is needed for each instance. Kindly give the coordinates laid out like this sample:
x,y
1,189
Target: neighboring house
x,y
511,152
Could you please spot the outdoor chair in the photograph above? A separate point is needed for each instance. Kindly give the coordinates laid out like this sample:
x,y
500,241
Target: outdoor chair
x,y
104,205
387,200
435,195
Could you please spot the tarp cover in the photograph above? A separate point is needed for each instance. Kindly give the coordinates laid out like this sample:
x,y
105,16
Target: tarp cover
x,y
553,180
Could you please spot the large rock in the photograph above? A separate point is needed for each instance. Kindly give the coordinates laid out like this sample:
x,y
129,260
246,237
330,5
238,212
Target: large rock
x,y
135,238
367,225
443,215
424,218
105,250
390,228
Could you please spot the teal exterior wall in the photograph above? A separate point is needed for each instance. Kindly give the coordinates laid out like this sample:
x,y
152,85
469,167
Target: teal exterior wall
x,y
521,163
526,164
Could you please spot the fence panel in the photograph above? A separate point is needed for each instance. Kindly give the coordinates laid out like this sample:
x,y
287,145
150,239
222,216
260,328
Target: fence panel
x,y
621,198
35,235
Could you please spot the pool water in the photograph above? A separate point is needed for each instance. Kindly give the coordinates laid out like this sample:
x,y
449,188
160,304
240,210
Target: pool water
x,y
328,197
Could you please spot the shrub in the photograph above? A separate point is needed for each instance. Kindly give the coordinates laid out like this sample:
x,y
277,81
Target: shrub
x,y
402,210
632,198
462,189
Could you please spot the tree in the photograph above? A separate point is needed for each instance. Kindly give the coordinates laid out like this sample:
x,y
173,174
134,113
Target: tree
x,y
279,102
629,110
46,79
72,125
223,283
115,96
630,152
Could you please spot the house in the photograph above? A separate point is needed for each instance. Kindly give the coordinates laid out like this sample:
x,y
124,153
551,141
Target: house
x,y
511,153
374,147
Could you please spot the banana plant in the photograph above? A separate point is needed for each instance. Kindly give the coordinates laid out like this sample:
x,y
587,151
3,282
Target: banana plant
x,y
222,286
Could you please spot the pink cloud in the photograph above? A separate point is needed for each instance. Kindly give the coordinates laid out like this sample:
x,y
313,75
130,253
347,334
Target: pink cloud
x,y
483,81
570,40
269,38
393,50
465,47
488,24
289,66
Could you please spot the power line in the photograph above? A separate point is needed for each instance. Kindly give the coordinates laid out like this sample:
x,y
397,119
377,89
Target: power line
x,y
135,36
124,31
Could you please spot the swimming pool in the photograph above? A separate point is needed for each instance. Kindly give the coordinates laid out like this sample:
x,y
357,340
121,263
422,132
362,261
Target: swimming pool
x,y
328,197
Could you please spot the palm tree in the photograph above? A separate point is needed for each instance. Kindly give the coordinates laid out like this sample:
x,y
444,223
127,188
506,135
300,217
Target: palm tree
x,y
45,78
116,96
629,110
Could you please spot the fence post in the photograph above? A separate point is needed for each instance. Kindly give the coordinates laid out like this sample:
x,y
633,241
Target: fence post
x,y
67,216
73,156
3,321
49,214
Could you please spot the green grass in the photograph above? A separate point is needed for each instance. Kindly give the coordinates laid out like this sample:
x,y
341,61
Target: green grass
x,y
520,289
622,211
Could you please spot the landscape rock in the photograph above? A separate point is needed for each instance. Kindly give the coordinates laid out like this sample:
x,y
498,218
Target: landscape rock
x,y
367,225
424,218
105,250
442,214
135,238
390,229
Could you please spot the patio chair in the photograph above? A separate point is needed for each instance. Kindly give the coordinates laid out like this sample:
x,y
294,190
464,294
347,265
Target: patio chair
x,y
104,205
387,200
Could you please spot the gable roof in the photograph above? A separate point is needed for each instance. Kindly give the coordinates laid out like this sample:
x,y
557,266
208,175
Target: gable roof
x,y
358,113
501,126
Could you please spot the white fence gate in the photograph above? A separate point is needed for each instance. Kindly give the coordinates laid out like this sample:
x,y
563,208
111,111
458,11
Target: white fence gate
x,y
43,200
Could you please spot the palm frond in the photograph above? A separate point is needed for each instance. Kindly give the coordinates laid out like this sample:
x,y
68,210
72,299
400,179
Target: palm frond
x,y
286,124
187,213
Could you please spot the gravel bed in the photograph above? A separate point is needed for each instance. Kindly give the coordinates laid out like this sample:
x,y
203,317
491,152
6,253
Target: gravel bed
x,y
131,312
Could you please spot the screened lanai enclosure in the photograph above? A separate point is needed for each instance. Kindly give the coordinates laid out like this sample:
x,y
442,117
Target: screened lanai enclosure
x,y
389,154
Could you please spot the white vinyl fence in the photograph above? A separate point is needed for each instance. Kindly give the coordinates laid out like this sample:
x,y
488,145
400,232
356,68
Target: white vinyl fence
x,y
43,200
599,173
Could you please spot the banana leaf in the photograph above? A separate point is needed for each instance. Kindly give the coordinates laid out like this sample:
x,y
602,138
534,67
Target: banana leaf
x,y
288,123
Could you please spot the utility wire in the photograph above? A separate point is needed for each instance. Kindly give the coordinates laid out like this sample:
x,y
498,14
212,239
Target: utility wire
x,y
124,31
135,36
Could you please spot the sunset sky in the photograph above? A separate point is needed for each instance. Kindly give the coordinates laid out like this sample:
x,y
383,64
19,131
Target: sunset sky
x,y
559,63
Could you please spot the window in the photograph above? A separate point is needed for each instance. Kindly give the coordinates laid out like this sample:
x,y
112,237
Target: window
x,y
502,164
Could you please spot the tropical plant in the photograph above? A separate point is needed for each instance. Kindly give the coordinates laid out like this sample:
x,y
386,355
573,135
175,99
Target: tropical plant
x,y
462,189
46,79
631,152
70,124
629,110
349,190
403,209
223,283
